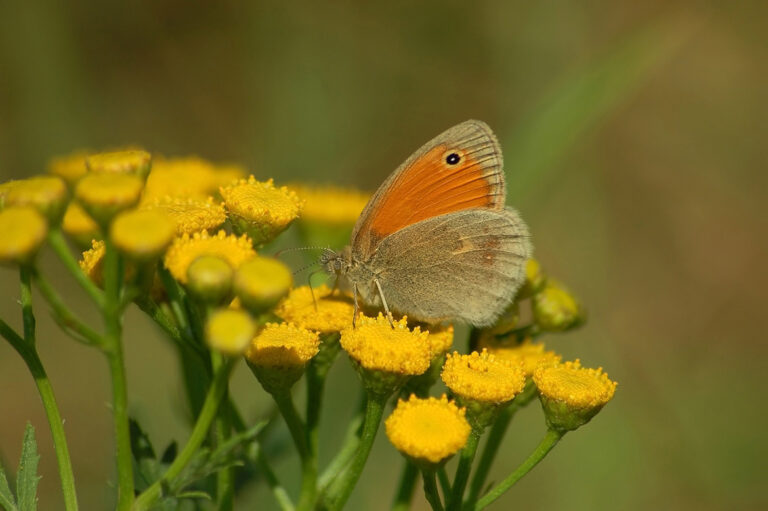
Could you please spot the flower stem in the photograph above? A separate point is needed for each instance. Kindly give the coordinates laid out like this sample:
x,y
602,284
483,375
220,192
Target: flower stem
x,y
408,478
59,246
35,365
341,488
495,436
462,471
299,434
225,482
547,443
113,347
64,317
208,413
430,490
348,449
280,494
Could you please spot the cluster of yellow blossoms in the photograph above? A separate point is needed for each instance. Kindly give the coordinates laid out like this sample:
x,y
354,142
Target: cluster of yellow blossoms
x,y
189,228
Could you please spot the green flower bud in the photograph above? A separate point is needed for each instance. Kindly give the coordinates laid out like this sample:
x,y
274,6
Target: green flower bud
x,y
209,279
555,309
261,283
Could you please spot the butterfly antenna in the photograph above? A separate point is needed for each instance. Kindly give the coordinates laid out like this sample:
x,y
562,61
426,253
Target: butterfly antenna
x,y
293,249
310,265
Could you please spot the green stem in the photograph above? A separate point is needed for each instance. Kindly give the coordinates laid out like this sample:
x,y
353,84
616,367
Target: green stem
x,y
56,424
341,488
546,445
299,434
64,317
208,413
407,485
348,449
462,471
225,480
495,436
445,484
430,490
59,246
113,347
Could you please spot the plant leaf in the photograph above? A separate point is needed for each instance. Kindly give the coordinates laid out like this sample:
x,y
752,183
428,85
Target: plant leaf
x,y
7,500
27,478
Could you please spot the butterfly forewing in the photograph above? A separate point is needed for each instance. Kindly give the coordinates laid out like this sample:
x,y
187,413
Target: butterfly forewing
x,y
459,169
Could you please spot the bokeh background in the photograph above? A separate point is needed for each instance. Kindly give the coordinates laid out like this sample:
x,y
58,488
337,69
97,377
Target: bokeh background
x,y
634,136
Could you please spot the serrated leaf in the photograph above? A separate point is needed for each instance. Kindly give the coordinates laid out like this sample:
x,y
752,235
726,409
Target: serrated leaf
x,y
27,478
7,500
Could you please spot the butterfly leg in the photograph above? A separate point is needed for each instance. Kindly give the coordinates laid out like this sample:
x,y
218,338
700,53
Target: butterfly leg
x,y
357,308
384,301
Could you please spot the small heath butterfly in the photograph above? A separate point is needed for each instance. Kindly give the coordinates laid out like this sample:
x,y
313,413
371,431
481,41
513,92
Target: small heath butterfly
x,y
436,242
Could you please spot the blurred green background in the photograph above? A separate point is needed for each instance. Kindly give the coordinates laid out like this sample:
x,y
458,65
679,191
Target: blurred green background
x,y
634,138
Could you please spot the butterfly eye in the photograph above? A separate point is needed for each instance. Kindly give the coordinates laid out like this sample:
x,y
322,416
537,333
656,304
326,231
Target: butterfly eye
x,y
452,159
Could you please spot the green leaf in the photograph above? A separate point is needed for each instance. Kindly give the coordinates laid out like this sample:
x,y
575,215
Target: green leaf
x,y
7,501
146,468
27,478
536,146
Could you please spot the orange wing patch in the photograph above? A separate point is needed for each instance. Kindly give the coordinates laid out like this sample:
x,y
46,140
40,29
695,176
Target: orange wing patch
x,y
432,187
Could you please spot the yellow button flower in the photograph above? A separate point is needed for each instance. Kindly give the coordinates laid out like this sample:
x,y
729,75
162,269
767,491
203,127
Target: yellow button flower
x,y
92,262
189,178
482,377
259,208
129,161
331,205
555,309
79,225
333,313
142,235
70,168
185,249
229,331
278,354
209,279
385,356
570,394
428,431
190,215
261,282
529,354
105,195
23,231
47,194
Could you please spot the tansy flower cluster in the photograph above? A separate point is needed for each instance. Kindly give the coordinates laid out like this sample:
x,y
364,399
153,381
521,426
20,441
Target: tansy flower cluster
x,y
187,242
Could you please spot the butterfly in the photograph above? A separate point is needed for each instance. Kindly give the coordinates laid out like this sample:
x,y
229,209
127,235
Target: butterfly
x,y
436,241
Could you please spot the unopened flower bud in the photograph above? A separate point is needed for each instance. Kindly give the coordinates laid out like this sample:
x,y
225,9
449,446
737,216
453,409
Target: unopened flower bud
x,y
555,309
261,283
23,231
105,195
130,161
209,279
47,194
230,331
142,235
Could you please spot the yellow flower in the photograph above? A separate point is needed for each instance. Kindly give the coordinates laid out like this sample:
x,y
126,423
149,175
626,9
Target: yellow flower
x,y
185,249
555,309
70,167
79,226
333,314
428,431
229,331
482,377
261,282
570,394
440,339
190,177
209,279
142,235
331,205
278,354
105,195
259,208
128,161
527,353
376,346
47,194
190,215
23,231
482,383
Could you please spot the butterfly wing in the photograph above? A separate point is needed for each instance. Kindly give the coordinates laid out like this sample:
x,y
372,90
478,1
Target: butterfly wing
x,y
466,265
459,169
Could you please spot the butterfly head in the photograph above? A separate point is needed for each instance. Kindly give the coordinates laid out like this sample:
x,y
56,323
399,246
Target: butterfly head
x,y
336,263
